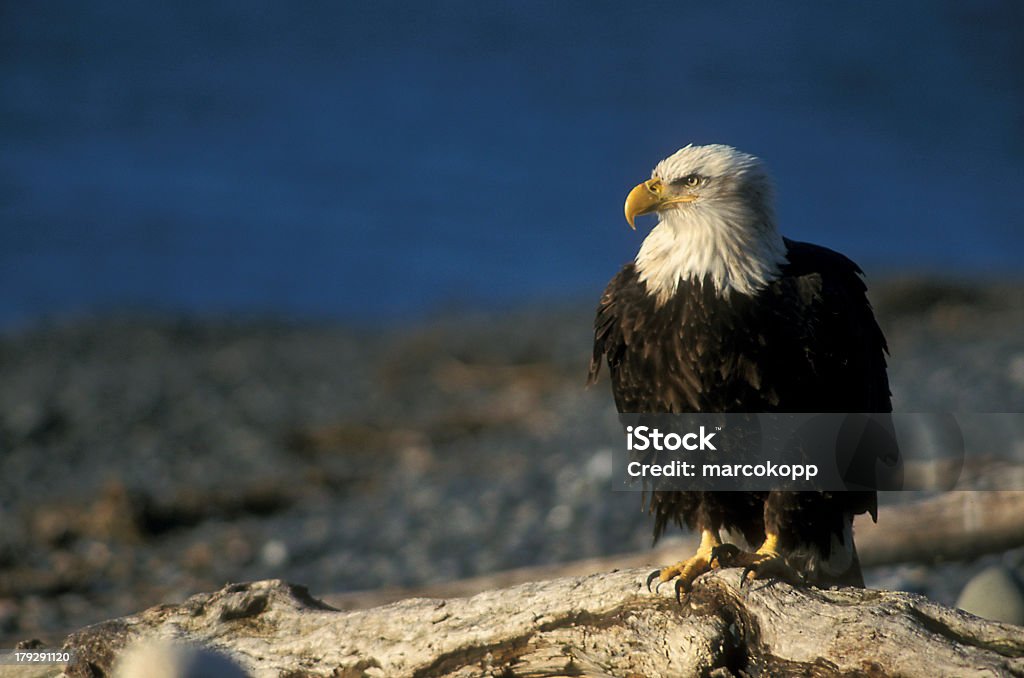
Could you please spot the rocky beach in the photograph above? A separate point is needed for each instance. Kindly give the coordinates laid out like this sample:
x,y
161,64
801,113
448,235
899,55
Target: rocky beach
x,y
150,457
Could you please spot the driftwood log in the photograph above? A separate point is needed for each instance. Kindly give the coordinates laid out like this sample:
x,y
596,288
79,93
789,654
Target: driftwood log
x,y
600,625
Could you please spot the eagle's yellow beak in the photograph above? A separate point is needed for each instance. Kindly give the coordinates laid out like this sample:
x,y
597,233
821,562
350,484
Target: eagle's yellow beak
x,y
650,197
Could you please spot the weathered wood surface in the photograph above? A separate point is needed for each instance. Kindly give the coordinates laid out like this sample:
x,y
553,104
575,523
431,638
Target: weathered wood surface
x,y
600,625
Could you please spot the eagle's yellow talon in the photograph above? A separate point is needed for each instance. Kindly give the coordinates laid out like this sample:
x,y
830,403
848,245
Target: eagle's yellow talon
x,y
724,554
766,562
685,572
771,565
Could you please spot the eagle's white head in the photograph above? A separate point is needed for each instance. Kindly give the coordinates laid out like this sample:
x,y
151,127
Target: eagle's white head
x,y
715,221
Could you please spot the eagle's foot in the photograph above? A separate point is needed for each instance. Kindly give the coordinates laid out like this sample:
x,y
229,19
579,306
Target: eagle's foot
x,y
767,562
685,572
726,555
770,565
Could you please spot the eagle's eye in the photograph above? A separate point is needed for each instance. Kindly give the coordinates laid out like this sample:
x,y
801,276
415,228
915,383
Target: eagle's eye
x,y
690,181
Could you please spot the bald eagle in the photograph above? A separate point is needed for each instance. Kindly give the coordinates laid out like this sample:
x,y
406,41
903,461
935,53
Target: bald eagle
x,y
720,313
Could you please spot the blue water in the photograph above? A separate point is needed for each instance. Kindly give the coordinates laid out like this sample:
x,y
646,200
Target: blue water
x,y
356,159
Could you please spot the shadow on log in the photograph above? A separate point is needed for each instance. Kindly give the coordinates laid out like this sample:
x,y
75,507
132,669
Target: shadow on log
x,y
600,625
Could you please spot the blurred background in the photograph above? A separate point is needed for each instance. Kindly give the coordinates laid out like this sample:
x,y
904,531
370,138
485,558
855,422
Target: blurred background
x,y
304,290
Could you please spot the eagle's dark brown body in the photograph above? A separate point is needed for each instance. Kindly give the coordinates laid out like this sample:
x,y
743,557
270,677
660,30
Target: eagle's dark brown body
x,y
807,342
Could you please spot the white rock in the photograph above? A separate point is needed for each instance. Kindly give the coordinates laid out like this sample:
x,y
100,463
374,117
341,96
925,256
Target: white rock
x,y
165,659
994,594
